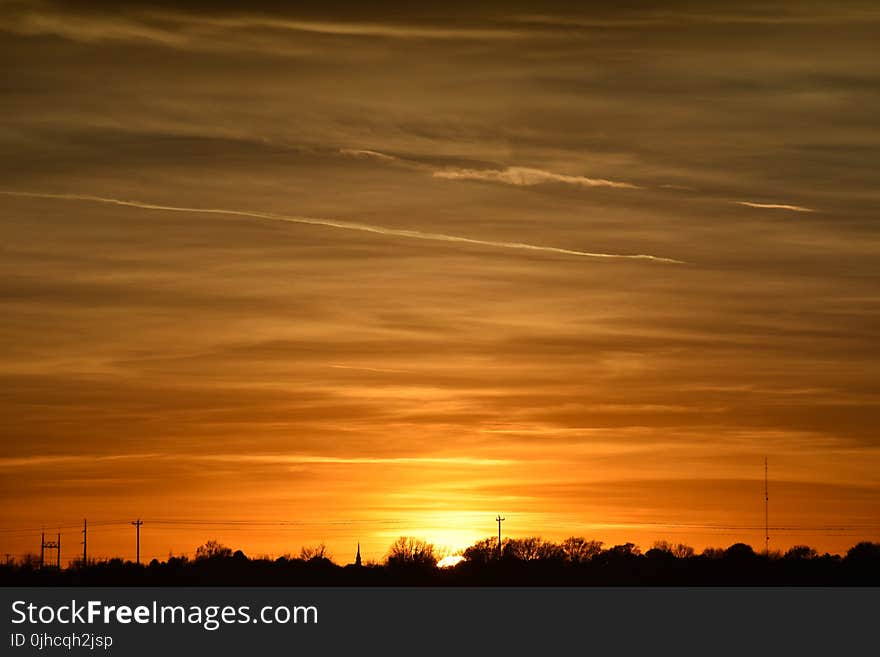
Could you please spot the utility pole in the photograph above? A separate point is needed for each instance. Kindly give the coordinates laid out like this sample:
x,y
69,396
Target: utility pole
x,y
499,520
50,545
85,542
766,512
137,523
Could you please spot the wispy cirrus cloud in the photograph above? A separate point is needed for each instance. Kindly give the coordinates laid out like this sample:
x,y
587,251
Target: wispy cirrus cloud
x,y
511,175
186,30
272,459
387,30
652,17
366,153
344,225
361,368
41,460
93,29
774,206
315,459
527,177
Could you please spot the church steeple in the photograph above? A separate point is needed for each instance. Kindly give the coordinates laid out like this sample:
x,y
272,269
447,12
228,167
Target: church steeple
x,y
357,559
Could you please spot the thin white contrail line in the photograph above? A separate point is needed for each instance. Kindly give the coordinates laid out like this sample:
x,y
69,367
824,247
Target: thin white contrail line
x,y
775,206
345,225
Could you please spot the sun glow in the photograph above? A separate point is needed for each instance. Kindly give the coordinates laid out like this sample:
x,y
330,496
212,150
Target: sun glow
x,y
450,561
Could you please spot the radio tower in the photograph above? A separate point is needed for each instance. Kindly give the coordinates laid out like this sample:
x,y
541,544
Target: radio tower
x,y
499,520
766,512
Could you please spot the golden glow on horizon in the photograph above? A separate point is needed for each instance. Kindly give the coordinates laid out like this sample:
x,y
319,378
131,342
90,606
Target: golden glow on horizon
x,y
451,560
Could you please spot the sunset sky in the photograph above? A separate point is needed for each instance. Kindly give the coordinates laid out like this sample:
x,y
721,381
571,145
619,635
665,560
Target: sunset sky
x,y
372,274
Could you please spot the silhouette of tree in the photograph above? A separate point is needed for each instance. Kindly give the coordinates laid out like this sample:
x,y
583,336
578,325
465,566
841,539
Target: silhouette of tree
x,y
864,552
739,552
660,550
317,552
529,561
213,549
482,552
800,552
531,548
667,549
713,553
30,562
411,552
577,549
682,551
625,550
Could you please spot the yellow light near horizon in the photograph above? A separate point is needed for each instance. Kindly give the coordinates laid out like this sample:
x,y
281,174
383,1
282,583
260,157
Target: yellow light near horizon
x,y
450,561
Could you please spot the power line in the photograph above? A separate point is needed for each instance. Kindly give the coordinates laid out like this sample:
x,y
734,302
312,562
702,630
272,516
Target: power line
x,y
598,524
61,526
273,522
196,522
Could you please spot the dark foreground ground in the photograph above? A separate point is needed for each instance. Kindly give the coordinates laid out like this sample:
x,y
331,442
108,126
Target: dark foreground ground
x,y
738,565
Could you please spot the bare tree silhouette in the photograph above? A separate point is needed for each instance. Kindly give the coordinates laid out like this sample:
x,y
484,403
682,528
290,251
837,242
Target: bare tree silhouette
x,y
213,549
800,552
411,552
316,552
526,561
579,550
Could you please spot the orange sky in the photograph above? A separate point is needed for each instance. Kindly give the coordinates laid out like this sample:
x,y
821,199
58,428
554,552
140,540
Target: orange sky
x,y
413,305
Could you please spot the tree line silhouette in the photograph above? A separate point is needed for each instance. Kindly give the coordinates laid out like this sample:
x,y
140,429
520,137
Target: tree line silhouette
x,y
526,561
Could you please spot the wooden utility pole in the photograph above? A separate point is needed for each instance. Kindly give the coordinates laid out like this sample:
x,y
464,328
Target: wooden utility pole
x,y
50,545
137,523
85,542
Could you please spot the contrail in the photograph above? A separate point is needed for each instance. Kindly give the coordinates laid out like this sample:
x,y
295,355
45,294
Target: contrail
x,y
344,225
380,370
774,206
